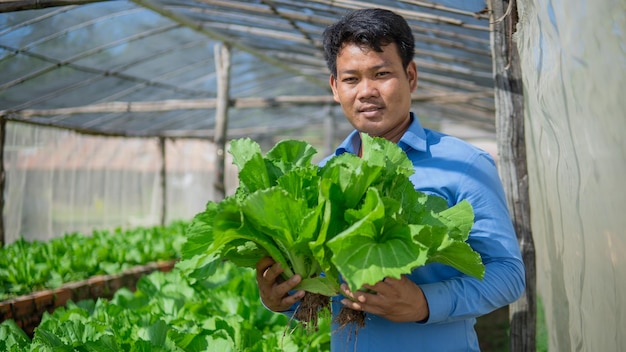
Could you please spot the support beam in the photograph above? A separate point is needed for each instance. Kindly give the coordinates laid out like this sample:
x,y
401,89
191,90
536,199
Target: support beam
x,y
330,128
21,5
222,67
3,126
163,183
444,97
509,102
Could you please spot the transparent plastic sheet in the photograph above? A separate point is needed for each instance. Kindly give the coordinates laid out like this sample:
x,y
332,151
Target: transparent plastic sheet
x,y
58,181
574,65
190,177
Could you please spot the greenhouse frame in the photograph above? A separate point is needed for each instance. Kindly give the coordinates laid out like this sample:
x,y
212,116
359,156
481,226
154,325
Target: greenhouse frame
x,y
118,114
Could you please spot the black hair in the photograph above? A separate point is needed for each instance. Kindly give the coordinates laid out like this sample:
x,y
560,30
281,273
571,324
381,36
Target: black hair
x,y
373,28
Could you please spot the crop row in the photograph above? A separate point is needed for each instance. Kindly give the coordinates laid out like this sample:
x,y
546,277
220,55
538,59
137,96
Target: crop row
x,y
172,312
26,267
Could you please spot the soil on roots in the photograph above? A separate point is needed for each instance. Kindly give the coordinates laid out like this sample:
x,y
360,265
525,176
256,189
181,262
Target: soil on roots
x,y
309,308
349,316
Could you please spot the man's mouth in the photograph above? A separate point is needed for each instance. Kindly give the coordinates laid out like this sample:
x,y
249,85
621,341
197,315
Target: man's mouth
x,y
371,108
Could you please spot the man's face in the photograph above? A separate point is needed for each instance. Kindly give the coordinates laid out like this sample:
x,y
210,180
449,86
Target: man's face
x,y
374,89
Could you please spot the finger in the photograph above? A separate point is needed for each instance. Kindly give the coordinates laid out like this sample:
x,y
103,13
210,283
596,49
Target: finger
x,y
261,268
290,300
346,290
351,304
272,273
383,286
263,264
280,293
285,287
353,296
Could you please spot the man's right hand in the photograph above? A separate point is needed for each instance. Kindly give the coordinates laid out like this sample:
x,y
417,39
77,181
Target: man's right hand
x,y
273,289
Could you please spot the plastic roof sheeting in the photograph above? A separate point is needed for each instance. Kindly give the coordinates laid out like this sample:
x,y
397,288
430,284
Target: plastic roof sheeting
x,y
121,52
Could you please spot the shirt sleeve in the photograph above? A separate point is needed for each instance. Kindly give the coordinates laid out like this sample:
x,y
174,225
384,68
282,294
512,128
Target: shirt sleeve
x,y
493,236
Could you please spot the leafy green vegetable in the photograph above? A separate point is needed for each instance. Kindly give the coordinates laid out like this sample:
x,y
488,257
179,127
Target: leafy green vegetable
x,y
358,219
166,313
30,266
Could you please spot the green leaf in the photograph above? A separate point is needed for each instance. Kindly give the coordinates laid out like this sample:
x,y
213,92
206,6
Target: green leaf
x,y
105,343
459,219
446,241
365,253
353,175
281,217
387,155
323,285
230,231
253,168
12,337
287,154
200,231
277,213
155,333
462,257
302,183
243,150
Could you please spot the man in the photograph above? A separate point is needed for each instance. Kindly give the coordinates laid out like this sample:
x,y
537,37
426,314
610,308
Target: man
x,y
370,56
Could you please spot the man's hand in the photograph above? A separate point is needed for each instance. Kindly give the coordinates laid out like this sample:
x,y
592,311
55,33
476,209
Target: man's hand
x,y
273,290
396,300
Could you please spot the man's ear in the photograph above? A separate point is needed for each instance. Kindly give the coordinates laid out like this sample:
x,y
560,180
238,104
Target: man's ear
x,y
333,85
411,73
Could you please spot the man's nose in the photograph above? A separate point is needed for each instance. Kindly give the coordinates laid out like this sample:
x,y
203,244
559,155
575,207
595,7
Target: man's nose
x,y
368,89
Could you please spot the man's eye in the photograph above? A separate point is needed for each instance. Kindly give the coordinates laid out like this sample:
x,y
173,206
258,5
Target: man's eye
x,y
349,80
382,74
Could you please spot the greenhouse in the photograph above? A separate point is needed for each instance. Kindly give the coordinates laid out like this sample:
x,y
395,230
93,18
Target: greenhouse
x,y
116,124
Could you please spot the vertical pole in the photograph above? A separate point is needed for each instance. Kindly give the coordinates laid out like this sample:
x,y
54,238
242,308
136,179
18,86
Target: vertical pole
x,y
222,67
509,103
3,125
329,130
163,174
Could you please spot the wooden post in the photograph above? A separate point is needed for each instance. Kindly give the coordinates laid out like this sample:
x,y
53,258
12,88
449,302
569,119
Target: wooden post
x,y
163,173
3,125
329,130
222,67
509,102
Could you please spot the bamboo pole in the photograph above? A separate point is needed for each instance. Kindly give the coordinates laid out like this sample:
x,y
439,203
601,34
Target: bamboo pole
x,y
408,14
163,173
3,126
443,8
509,101
201,104
266,14
19,5
422,33
330,129
222,67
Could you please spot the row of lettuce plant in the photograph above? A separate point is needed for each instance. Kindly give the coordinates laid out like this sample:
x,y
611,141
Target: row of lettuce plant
x,y
27,266
172,312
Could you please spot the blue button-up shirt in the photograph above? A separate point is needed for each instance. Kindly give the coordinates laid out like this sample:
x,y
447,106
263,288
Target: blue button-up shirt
x,y
455,170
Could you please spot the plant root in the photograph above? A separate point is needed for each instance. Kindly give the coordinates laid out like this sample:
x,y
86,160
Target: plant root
x,y
309,309
349,316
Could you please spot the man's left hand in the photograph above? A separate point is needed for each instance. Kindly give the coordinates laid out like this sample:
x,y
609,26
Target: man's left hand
x,y
396,300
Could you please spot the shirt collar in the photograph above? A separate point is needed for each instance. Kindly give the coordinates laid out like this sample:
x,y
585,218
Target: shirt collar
x,y
413,138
